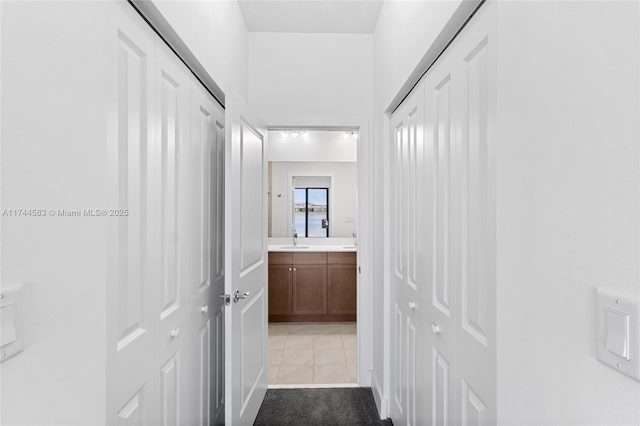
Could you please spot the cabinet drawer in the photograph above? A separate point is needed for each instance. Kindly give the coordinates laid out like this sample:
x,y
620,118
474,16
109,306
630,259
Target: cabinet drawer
x,y
280,258
309,258
348,258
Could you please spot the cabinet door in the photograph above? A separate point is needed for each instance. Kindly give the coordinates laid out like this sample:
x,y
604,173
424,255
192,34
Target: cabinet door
x,y
280,288
341,293
309,289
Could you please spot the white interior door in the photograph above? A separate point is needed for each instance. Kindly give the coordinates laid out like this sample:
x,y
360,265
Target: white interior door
x,y
176,191
475,93
131,295
245,259
398,259
207,136
441,155
166,366
458,99
217,276
412,262
443,248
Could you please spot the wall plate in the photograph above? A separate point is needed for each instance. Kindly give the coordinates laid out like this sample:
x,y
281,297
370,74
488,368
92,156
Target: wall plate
x,y
618,322
11,337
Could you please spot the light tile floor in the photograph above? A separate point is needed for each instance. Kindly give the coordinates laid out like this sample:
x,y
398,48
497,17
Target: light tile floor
x,y
312,353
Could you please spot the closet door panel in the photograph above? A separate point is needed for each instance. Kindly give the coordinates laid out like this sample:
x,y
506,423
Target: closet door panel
x,y
176,238
410,280
475,335
205,141
165,268
443,238
443,167
130,295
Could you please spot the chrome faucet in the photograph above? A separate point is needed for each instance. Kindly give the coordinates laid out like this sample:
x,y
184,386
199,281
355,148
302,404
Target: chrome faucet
x,y
295,238
355,239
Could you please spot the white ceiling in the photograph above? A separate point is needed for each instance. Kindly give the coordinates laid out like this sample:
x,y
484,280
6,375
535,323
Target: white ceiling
x,y
311,16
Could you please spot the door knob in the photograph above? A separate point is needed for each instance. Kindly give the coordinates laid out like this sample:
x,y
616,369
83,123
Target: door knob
x,y
175,333
237,296
435,328
412,305
204,309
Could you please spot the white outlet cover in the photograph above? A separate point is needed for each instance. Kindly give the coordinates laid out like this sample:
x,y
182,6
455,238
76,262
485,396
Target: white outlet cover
x,y
624,358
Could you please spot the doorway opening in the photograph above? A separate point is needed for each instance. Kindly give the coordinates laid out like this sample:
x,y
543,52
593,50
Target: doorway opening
x,y
313,258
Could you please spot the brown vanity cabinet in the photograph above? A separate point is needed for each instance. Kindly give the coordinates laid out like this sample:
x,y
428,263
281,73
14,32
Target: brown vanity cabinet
x,y
280,283
280,289
317,286
309,289
341,288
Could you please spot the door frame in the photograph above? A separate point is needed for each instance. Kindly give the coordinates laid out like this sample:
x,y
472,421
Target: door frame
x,y
364,229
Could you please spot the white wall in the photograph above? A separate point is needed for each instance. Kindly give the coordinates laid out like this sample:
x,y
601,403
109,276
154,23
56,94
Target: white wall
x,y
568,205
313,146
304,79
216,33
54,124
404,32
342,195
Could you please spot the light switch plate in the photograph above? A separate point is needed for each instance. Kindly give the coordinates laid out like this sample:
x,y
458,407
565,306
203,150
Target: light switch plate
x,y
618,319
11,340
617,329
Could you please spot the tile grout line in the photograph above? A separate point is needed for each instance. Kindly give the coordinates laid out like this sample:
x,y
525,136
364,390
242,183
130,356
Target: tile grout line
x,y
315,331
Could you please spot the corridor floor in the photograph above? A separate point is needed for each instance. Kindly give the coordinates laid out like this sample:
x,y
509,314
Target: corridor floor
x,y
319,407
312,353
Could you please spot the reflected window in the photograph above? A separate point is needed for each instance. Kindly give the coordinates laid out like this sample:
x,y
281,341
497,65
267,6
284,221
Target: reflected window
x,y
311,212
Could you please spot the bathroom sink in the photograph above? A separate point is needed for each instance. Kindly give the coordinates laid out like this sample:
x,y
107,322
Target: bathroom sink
x,y
295,247
349,247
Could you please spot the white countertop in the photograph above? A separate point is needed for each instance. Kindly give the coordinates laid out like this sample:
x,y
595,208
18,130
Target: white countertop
x,y
307,248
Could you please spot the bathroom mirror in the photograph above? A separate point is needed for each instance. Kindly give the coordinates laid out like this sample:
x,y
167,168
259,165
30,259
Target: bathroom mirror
x,y
312,183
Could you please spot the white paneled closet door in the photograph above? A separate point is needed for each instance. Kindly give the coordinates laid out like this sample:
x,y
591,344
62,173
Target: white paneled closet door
x,y
165,324
207,137
410,264
454,248
443,169
131,319
476,363
217,305
175,188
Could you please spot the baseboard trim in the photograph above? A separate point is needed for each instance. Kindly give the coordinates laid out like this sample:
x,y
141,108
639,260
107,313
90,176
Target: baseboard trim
x,y
315,386
377,397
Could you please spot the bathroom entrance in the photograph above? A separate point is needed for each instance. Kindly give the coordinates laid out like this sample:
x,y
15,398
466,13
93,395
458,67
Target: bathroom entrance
x,y
313,257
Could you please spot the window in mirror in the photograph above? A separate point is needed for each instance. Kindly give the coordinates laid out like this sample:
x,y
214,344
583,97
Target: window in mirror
x,y
311,212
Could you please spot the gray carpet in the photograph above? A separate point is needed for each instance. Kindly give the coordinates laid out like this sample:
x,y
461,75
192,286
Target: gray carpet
x,y
319,407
